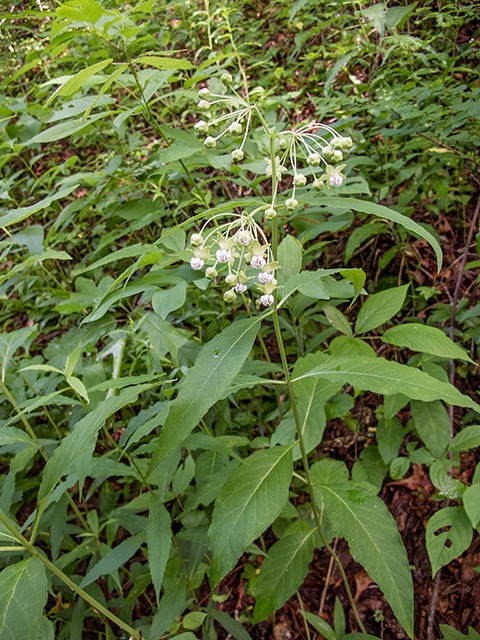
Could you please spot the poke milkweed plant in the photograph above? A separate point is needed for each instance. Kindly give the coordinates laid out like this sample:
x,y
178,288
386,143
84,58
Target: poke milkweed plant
x,y
245,250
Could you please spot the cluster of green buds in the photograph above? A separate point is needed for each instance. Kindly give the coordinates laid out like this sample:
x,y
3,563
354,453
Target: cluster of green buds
x,y
240,253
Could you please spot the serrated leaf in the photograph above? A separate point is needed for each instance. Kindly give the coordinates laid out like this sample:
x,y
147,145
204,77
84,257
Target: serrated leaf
x,y
379,308
23,594
420,337
250,500
383,376
374,541
380,211
459,534
215,367
283,571
432,424
114,559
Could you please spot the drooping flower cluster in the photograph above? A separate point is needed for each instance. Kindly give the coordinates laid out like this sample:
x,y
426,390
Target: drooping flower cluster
x,y
240,253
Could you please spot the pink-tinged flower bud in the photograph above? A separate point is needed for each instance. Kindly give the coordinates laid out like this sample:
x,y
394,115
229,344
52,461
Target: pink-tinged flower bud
x,y
197,263
223,255
196,240
235,128
266,299
299,180
231,279
203,105
230,296
210,142
237,155
240,287
201,126
270,213
265,277
318,184
336,180
291,204
244,238
203,93
314,159
258,262
211,273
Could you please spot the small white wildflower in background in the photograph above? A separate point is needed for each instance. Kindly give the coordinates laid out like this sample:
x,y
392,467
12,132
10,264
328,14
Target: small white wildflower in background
x,y
223,255
336,181
197,263
258,262
240,287
237,155
266,299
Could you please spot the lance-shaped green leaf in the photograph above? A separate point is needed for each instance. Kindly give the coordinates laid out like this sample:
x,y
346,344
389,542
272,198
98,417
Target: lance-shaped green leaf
x,y
67,128
215,368
296,282
250,500
384,212
420,337
283,570
374,541
77,81
379,308
23,594
459,536
11,435
432,424
50,254
160,62
11,341
382,376
83,438
17,215
159,541
114,559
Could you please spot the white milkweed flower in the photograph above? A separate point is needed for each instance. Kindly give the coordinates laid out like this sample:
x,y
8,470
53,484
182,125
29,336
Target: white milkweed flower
x,y
258,262
237,155
197,263
299,180
244,238
203,105
291,204
210,142
336,181
223,255
196,240
270,213
266,299
240,287
211,273
201,126
235,128
265,277
231,279
203,93
314,159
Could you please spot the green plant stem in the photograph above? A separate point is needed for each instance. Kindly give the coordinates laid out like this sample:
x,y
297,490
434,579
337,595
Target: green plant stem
x,y
59,573
298,426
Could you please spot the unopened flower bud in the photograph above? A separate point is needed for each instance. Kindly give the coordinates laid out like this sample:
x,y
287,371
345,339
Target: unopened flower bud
x,y
347,143
265,277
197,263
211,273
282,143
226,79
240,287
336,180
237,155
328,153
336,143
210,142
196,240
299,180
337,156
314,159
203,93
231,279
291,204
201,127
258,262
203,105
244,238
318,184
230,296
270,213
223,255
235,128
266,299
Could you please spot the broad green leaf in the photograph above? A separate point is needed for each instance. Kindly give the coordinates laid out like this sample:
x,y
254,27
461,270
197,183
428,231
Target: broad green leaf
x,y
11,341
389,214
459,534
50,254
471,503
78,386
379,308
360,234
114,559
468,438
23,594
159,541
83,438
81,10
17,215
337,319
305,278
357,278
216,366
77,81
374,541
133,251
289,256
389,437
193,620
160,62
433,425
333,71
250,500
283,571
397,15
231,625
447,486
420,337
168,300
65,129
450,633
382,376
351,348
44,630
